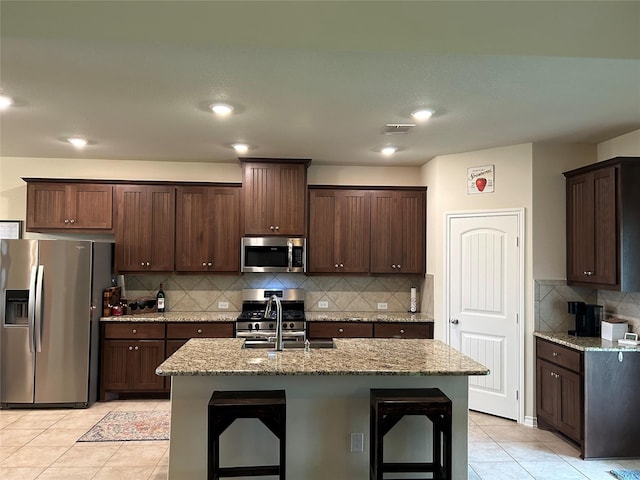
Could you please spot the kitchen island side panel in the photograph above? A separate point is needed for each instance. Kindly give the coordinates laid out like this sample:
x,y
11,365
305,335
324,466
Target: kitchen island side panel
x,y
322,412
612,422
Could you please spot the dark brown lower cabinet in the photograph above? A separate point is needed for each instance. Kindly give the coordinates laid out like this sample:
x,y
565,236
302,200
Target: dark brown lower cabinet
x,y
589,396
346,329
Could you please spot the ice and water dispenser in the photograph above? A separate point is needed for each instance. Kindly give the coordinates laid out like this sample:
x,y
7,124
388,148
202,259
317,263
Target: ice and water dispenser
x,y
16,308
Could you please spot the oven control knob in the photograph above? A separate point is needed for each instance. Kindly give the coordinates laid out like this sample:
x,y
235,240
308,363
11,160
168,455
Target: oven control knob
x,y
257,326
291,325
271,325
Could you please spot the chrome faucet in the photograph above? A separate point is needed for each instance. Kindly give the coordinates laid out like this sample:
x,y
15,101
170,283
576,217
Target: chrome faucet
x,y
267,316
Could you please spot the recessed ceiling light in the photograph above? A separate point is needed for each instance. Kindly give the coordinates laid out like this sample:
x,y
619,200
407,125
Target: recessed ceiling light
x,y
422,114
77,142
5,102
240,147
221,109
387,151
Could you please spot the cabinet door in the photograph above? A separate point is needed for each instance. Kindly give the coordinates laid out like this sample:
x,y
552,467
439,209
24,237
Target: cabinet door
x,y
354,231
224,234
340,330
192,229
592,234
569,420
323,245
274,198
90,206
339,231
403,330
115,365
291,200
546,393
145,233
46,205
258,189
148,355
397,232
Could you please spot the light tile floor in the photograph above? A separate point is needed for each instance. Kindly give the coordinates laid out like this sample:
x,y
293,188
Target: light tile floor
x,y
41,444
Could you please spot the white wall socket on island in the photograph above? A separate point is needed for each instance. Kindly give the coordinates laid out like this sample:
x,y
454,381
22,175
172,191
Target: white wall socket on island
x,y
323,304
357,442
223,304
382,306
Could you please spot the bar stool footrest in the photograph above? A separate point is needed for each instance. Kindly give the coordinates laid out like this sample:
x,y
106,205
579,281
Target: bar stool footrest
x,y
249,471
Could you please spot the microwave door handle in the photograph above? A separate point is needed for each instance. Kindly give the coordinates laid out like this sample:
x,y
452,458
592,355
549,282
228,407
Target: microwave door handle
x,y
38,312
31,315
290,255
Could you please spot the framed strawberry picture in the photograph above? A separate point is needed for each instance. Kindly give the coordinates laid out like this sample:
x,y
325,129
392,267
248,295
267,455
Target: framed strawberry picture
x,y
480,179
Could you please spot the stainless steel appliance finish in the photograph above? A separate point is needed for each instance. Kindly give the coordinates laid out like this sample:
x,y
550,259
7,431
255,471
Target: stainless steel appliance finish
x,y
50,305
273,254
252,324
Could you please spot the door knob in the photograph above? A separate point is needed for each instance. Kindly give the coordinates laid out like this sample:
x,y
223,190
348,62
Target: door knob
x,y
454,321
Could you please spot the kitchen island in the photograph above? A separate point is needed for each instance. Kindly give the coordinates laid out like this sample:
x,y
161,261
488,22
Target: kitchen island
x,y
327,400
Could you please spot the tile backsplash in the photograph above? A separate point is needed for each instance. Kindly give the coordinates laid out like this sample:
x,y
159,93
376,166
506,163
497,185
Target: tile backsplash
x,y
203,293
551,297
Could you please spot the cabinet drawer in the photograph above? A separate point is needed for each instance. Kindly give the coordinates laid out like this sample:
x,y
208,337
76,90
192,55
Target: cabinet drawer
x,y
563,356
200,329
134,330
340,329
403,330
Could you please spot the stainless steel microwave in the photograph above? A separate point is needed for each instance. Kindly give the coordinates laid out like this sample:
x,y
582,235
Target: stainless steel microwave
x,y
273,254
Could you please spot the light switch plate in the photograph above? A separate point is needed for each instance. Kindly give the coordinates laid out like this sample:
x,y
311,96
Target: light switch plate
x,y
382,306
223,304
323,304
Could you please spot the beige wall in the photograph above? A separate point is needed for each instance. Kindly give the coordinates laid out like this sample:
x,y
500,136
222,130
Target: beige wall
x,y
627,145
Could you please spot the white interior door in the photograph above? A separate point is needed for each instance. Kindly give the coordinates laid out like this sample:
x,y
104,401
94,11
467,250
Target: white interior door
x,y
485,287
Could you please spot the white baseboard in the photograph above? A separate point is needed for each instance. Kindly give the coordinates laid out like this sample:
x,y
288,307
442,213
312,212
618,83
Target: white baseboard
x,y
530,422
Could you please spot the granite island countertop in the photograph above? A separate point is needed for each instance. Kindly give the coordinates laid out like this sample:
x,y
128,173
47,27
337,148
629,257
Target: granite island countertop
x,y
351,356
585,344
231,316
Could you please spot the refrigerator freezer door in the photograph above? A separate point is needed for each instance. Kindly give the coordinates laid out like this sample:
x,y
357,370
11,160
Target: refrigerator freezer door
x,y
62,364
18,262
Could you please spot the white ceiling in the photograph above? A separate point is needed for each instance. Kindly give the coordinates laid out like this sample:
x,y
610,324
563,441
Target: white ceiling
x,y
313,80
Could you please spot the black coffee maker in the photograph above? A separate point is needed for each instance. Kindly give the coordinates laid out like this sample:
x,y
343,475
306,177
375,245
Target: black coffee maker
x,y
588,319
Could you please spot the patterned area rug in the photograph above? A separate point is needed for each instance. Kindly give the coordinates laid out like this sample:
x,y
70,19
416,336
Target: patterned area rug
x,y
626,474
126,426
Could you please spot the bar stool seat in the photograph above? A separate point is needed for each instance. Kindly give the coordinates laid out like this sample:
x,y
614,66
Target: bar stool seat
x,y
268,406
388,406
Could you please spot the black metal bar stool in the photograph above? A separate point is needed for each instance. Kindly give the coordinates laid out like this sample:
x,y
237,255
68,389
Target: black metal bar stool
x,y
388,406
268,406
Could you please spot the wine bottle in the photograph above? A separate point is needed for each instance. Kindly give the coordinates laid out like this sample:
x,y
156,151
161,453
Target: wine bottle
x,y
160,297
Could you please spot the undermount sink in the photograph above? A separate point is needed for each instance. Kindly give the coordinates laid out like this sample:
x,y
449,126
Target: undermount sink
x,y
289,345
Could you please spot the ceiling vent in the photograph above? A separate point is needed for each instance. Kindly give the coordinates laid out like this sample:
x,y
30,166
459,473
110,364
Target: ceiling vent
x,y
398,128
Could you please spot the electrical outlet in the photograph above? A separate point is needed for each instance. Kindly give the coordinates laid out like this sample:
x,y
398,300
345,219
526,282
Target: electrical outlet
x,y
357,442
223,304
382,306
323,304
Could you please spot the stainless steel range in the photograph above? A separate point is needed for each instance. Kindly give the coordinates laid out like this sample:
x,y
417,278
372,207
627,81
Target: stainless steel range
x,y
252,324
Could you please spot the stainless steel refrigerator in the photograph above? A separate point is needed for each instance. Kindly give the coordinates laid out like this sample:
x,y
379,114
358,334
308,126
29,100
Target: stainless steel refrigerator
x,y
50,307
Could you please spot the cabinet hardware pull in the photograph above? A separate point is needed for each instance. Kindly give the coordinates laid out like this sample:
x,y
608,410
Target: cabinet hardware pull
x,y
588,273
134,331
272,228
209,264
341,330
336,265
66,220
136,349
401,330
393,266
148,264
277,228
204,264
130,349
142,264
555,354
199,330
342,265
399,266
73,220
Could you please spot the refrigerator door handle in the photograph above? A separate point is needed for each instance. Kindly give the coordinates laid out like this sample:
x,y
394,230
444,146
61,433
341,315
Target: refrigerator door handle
x,y
38,315
31,316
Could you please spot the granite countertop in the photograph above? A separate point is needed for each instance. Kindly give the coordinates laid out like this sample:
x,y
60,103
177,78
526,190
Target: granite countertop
x,y
351,356
311,317
176,317
586,344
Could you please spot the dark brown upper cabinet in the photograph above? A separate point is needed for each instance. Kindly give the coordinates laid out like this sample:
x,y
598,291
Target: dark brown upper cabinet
x,y
398,220
145,232
339,231
208,229
603,225
274,197
55,206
